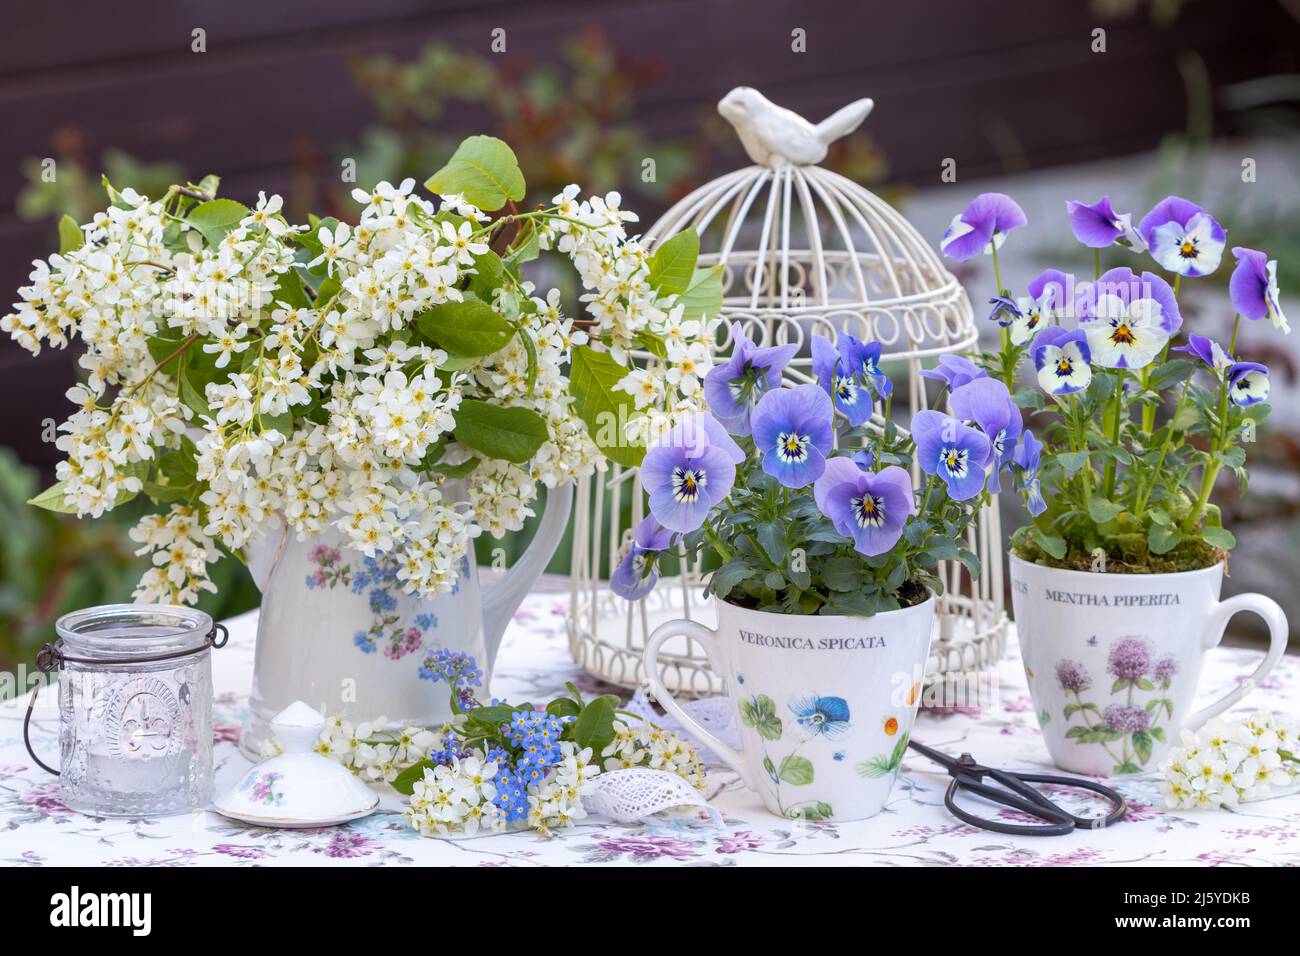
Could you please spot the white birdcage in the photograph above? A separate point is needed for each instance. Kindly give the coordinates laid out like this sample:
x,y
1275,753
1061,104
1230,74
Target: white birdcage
x,y
803,251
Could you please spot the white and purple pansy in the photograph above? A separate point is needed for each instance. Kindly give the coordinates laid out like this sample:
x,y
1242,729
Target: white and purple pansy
x,y
794,432
1005,311
1098,226
1062,359
1248,383
987,402
1183,237
869,507
1128,319
733,387
689,471
983,226
952,450
1253,287
638,573
1208,351
1050,294
835,376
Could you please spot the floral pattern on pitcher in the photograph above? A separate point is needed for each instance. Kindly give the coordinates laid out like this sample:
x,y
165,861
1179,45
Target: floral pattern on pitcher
x,y
262,788
377,578
1128,720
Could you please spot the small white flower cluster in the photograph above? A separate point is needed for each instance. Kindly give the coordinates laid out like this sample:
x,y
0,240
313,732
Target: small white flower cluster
x,y
233,407
1229,762
456,797
556,801
647,745
370,751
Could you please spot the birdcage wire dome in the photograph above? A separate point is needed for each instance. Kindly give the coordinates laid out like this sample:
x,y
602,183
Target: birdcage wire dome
x,y
803,251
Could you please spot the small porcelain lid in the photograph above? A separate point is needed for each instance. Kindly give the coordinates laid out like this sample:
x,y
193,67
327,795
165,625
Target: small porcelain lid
x,y
298,788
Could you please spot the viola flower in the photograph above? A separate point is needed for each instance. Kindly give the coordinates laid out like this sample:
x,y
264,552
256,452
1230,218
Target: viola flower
x,y
1047,302
834,375
1062,359
685,477
793,433
1208,351
1248,383
863,359
1183,237
1099,226
824,716
869,507
957,453
1005,311
982,227
703,427
864,458
1253,287
732,387
1028,457
987,402
954,371
637,574
1128,319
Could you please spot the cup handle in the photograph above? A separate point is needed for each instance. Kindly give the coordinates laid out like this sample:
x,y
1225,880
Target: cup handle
x,y
732,757
1217,622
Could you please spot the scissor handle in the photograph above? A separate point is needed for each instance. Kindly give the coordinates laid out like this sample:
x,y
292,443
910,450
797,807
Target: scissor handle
x,y
1119,806
1056,820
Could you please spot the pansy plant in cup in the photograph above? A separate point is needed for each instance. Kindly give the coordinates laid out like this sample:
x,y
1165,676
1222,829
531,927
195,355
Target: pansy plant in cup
x,y
799,503
1134,416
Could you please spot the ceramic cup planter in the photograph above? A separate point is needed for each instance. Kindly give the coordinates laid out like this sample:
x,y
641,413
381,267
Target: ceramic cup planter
x,y
825,704
1113,660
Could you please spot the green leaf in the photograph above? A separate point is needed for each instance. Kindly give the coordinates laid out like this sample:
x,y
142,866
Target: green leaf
x,y
1075,732
842,574
1072,461
592,377
71,238
215,218
1142,745
772,538
796,770
564,707
1162,539
290,291
463,470
405,781
526,251
594,727
1102,509
812,810
1219,538
484,171
725,578
52,499
760,713
1050,543
1158,733
702,299
673,265
489,274
513,434
1128,767
470,328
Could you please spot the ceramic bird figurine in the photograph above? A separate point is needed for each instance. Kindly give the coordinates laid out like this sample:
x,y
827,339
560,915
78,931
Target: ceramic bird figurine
x,y
774,136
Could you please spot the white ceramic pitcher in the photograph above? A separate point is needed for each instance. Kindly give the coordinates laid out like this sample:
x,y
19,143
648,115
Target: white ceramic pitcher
x,y
336,629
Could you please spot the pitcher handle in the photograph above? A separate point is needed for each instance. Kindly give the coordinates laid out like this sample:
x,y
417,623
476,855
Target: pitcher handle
x,y
502,599
1217,622
707,637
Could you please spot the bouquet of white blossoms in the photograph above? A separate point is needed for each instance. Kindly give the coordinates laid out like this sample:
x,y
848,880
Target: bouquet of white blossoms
x,y
243,370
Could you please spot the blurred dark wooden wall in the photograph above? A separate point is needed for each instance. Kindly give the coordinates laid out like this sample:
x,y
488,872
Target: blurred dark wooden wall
x,y
994,85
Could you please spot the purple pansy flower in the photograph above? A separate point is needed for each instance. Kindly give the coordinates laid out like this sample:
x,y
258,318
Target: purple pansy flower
x,y
637,574
871,508
1062,359
793,433
1005,311
1208,351
701,426
987,402
863,458
1248,383
1029,455
863,360
957,453
732,387
1127,319
982,226
1050,295
1072,676
1253,287
835,376
1183,237
1099,226
685,476
1129,658
954,371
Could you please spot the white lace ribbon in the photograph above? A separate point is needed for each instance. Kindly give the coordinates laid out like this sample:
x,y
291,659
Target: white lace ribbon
x,y
634,793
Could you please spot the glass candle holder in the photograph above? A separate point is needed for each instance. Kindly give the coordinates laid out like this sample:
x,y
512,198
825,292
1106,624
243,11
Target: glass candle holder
x,y
135,709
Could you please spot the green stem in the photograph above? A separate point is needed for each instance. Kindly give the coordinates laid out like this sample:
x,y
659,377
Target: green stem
x,y
1211,473
1145,493
1114,432
1096,264
1236,327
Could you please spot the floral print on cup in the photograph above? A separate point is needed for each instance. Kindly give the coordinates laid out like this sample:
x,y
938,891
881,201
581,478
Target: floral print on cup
x,y
1128,721
815,716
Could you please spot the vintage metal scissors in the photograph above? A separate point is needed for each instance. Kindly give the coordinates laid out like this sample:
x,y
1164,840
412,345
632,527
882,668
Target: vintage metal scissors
x,y
1015,791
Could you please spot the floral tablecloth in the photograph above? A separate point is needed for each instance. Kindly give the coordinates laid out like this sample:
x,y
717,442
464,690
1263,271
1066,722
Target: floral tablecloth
x,y
914,829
